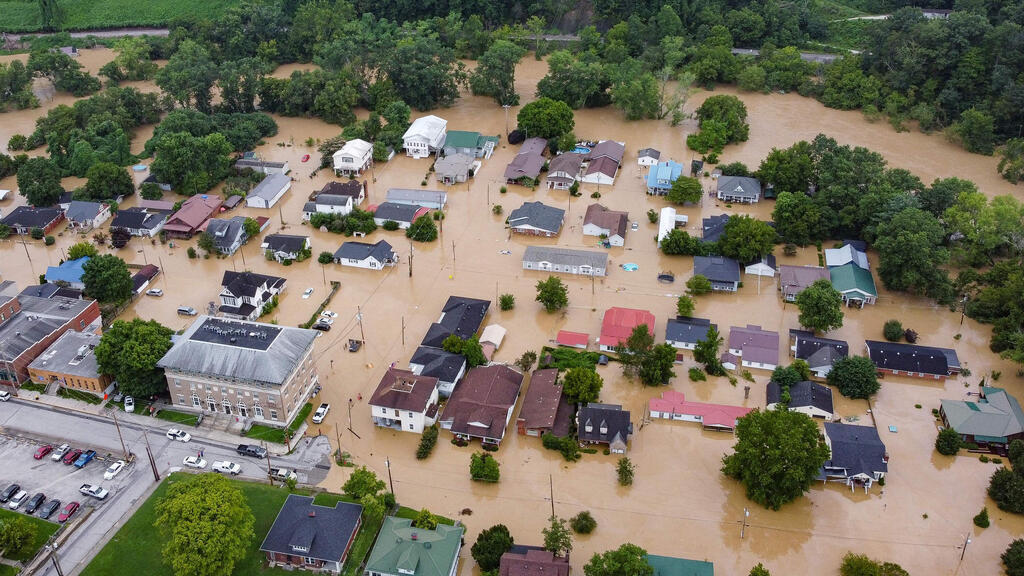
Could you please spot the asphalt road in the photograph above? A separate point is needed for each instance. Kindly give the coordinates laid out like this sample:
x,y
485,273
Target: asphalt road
x,y
26,425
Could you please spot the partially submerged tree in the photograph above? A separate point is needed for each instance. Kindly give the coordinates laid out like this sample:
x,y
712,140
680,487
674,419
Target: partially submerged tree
x,y
821,306
552,293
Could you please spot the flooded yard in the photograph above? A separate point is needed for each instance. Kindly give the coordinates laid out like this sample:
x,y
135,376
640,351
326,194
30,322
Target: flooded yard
x,y
680,504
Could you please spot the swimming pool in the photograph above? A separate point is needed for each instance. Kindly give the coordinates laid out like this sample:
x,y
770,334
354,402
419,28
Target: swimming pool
x,y
581,150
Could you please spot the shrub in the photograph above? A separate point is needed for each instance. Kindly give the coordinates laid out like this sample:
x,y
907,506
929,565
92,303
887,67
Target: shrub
x,y
483,467
497,209
981,520
37,233
507,302
49,240
565,444
625,470
789,249
698,285
595,195
983,459
893,331
389,225
583,523
17,142
325,257
503,189
696,374
948,442
427,442
191,253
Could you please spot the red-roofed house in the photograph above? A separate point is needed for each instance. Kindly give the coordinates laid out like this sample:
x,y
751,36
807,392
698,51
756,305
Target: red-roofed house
x,y
673,405
193,213
572,339
481,405
544,409
619,323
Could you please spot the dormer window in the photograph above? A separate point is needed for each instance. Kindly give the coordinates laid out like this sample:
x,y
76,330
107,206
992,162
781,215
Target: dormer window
x,y
588,427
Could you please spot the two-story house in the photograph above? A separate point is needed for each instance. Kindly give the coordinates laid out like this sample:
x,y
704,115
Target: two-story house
x,y
354,157
244,294
425,136
404,401
307,536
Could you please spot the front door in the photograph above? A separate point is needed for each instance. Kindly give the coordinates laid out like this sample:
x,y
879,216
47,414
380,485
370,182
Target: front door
x,y
227,408
242,411
212,405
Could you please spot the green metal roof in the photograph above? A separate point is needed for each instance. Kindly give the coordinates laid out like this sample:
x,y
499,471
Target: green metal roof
x,y
997,416
668,566
852,277
402,549
462,139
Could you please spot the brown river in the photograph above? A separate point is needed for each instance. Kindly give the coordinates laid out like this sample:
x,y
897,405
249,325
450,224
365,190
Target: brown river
x,y
680,504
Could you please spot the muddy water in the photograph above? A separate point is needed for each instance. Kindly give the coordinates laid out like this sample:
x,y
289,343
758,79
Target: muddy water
x,y
680,504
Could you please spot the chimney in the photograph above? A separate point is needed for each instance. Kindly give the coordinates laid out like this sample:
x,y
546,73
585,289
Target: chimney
x,y
312,513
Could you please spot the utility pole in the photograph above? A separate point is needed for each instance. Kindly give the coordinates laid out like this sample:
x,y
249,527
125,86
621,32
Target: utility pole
x,y
119,436
323,270
270,472
746,514
453,253
53,557
506,107
403,330
242,252
410,259
337,434
964,549
963,309
387,464
551,488
149,453
359,317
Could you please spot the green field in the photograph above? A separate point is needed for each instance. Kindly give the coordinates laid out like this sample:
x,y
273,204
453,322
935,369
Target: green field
x,y
23,16
178,417
276,435
43,528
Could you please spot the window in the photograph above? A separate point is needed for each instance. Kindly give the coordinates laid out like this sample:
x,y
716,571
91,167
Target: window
x,y
309,561
177,384
181,399
195,400
258,411
410,426
273,414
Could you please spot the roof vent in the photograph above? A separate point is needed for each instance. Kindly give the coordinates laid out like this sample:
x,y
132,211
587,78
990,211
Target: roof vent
x,y
312,513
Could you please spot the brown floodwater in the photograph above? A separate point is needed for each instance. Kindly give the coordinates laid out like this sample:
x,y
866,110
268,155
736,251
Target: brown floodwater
x,y
680,504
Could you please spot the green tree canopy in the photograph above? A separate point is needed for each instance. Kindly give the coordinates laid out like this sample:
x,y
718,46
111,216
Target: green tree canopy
x,y
581,384
106,279
192,164
948,442
483,467
854,376
557,538
798,218
422,229
684,306
552,293
729,110
911,254
363,481
107,181
490,545
495,73
39,182
17,533
129,351
1013,558
626,560
81,249
821,306
545,118
746,239
685,190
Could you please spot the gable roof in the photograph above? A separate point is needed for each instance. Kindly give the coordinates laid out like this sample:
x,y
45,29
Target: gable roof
x,y
711,415
817,351
438,363
226,232
757,345
850,277
567,338
663,174
402,390
525,164
162,205
542,398
350,188
611,220
381,251
996,414
713,227
537,215
535,146
249,283
271,186
604,165
802,394
400,548
794,279
618,324
194,211
408,196
668,566
70,271
453,165
285,242
80,211
742,186
323,532
568,162
684,329
466,139
607,149
565,256
610,416
428,127
460,316
533,561
717,268
355,147
481,403
398,212
910,357
856,449
648,153
31,217
845,255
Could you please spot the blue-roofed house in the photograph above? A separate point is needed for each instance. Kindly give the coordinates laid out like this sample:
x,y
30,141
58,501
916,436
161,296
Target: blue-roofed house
x,y
69,272
661,176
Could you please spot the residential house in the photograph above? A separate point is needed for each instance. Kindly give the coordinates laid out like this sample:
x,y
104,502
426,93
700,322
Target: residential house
x,y
537,219
684,332
618,325
152,179
673,405
307,536
668,566
268,191
537,146
491,338
819,353
30,324
566,260
403,550
572,339
661,176
460,316
602,222
70,362
139,221
713,227
764,266
481,405
354,157
724,273
446,367
794,279
433,199
454,168
250,370
38,290
64,202
472,144
403,214
858,455
603,162
854,283
532,561
265,166
228,235
564,170
404,401
849,253
244,294
23,219
993,420
524,169
935,14
425,136
753,347
669,220
68,273
648,157
285,246
194,212
85,216
604,424
364,255
738,189
142,278
336,198
913,360
806,397
163,205
544,408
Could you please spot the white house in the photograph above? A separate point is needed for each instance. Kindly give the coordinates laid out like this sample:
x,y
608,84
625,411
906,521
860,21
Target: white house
x,y
648,157
425,136
764,267
404,401
447,367
753,347
810,398
600,221
669,220
87,215
354,157
363,255
285,246
140,221
265,166
327,204
244,294
269,191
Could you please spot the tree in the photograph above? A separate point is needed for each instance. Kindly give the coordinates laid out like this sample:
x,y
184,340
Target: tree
x,y
746,239
981,518
557,538
656,365
106,279
582,384
821,306
976,131
789,169
625,470
470,348
207,526
422,229
1006,487
583,523
634,349
526,361
373,508
507,302
1011,161
684,306
251,227
16,535
942,194
52,15
893,330
685,190
495,73
552,293
425,520
911,254
854,376
483,467
729,110
948,442
798,218
759,570
425,74
858,565
490,545
107,181
129,351
777,456
133,58
188,76
363,481
577,82
39,182
207,242
80,250
786,376
545,118
1013,558
698,285
706,350
626,560
192,164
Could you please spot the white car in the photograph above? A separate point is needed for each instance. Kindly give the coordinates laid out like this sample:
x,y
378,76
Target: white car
x,y
17,500
326,320
129,404
307,293
321,413
328,314
154,292
634,226
59,453
179,435
194,462
226,467
4,395
114,470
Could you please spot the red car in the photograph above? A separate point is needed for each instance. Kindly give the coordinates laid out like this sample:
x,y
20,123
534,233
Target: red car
x,y
305,158
66,513
43,451
71,456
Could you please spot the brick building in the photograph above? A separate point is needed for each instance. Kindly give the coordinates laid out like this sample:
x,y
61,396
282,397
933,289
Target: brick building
x,y
70,361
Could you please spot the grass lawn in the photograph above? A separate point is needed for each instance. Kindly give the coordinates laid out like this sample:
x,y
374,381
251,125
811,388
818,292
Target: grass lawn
x,y
23,15
566,358
178,417
78,395
271,434
43,528
6,570
34,387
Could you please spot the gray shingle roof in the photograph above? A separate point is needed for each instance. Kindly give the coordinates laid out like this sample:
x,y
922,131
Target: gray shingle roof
x,y
442,365
324,532
460,316
565,256
285,242
998,415
611,416
538,215
803,394
691,330
271,186
248,283
396,212
30,217
80,211
818,351
741,186
382,251
909,357
717,268
857,449
713,227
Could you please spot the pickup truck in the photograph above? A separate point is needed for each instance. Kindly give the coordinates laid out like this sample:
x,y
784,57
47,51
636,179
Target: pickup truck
x,y
85,458
251,450
94,490
284,474
225,467
321,413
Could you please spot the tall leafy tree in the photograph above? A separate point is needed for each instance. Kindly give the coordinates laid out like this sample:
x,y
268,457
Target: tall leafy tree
x,y
39,182
746,239
626,560
798,218
911,254
192,164
685,190
546,118
106,279
361,482
854,376
189,76
239,83
577,82
425,74
495,74
729,110
129,351
552,293
821,307
557,538
490,545
582,384
107,181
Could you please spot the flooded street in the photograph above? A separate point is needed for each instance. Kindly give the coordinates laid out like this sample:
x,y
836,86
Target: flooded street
x,y
680,504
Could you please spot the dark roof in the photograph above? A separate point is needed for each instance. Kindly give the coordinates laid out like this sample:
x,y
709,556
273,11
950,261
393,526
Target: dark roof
x,y
769,260
742,186
607,149
460,316
909,357
248,283
232,201
538,215
324,532
818,351
568,162
533,146
542,399
145,274
442,365
604,165
226,232
857,449
611,416
532,561
480,404
30,217
524,164
802,394
40,291
611,220
351,188
403,390
683,329
717,268
285,242
713,227
396,212
138,218
382,251
649,152
81,211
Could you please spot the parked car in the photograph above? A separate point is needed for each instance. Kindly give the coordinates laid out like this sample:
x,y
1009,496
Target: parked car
x,y
321,326
186,311
154,292
34,503
329,314
225,467
42,451
48,509
85,458
251,450
60,452
67,512
194,462
113,470
129,404
307,293
326,320
634,226
284,474
179,435
9,492
95,490
71,456
4,395
17,500
321,413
